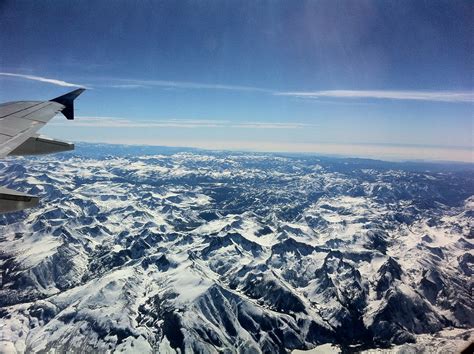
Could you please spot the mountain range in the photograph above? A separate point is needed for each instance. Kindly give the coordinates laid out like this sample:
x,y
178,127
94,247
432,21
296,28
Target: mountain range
x,y
148,249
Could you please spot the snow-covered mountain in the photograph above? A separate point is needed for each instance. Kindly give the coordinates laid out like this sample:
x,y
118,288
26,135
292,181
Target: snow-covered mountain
x,y
162,250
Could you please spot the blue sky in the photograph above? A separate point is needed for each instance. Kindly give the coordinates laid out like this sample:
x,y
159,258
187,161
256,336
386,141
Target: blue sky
x,y
363,78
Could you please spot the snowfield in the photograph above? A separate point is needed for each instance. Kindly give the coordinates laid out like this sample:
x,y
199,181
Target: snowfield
x,y
156,250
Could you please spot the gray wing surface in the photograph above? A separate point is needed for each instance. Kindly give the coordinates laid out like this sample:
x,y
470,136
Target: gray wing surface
x,y
11,200
19,123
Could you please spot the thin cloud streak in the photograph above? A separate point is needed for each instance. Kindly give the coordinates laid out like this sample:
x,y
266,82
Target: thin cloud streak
x,y
265,125
435,96
128,86
117,122
43,79
132,83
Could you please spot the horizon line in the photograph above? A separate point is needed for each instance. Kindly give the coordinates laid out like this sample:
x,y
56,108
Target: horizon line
x,y
356,150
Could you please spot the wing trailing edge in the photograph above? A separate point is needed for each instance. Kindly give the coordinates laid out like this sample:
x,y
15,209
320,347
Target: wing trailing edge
x,y
41,145
11,200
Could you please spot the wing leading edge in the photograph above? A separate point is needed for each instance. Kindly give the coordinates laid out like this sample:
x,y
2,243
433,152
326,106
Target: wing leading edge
x,y
19,122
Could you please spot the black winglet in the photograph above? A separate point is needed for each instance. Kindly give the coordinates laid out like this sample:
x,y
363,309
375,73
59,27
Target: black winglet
x,y
67,101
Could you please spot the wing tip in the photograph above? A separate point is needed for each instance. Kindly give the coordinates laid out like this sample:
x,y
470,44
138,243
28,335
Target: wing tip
x,y
67,100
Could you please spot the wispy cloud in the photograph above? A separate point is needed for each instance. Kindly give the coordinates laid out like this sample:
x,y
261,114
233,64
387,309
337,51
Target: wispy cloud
x,y
437,96
118,122
132,83
273,125
128,86
434,96
43,79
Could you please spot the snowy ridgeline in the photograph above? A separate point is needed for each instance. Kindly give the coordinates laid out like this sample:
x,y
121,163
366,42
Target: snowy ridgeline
x,y
144,251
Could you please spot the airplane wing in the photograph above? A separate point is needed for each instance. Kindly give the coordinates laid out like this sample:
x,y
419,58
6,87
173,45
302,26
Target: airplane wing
x,y
19,123
11,200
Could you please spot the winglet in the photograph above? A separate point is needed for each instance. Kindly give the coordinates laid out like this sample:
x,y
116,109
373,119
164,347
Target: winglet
x,y
67,101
